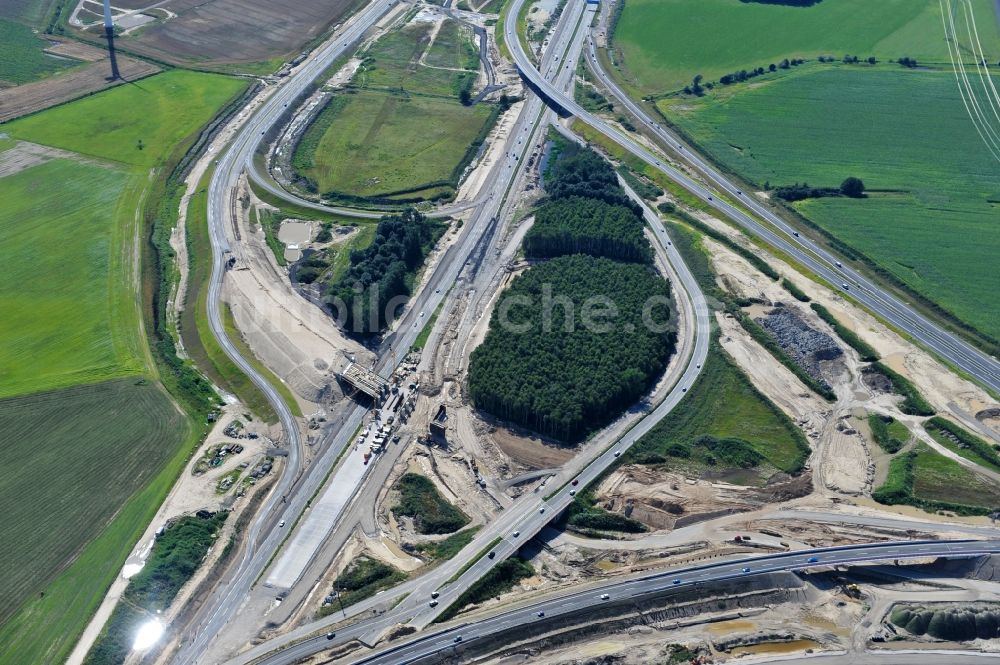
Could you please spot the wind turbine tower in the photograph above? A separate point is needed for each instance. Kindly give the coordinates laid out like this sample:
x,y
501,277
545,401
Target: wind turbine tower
x,y
109,26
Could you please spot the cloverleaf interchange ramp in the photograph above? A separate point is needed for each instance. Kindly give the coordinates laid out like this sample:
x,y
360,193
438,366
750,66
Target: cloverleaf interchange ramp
x,y
533,513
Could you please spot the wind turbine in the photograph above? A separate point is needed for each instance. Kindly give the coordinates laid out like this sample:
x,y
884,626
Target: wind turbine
x,y
108,24
109,34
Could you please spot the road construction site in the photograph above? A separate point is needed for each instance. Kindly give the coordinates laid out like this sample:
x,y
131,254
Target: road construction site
x,y
419,419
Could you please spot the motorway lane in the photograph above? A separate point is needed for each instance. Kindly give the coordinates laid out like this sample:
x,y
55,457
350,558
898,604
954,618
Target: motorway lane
x,y
979,365
262,538
635,588
318,524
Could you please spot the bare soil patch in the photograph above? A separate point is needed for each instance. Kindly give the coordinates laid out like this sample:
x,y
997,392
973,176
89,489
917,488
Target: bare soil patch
x,y
220,32
76,83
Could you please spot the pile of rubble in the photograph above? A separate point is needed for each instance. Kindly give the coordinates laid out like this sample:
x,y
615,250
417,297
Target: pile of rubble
x,y
806,345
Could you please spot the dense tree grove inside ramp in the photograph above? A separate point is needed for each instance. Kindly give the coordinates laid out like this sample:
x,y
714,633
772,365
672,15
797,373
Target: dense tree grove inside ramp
x,y
580,171
569,347
381,274
579,225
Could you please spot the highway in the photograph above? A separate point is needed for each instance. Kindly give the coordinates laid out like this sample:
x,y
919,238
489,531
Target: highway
x,y
532,513
443,641
261,538
777,233
516,526
298,484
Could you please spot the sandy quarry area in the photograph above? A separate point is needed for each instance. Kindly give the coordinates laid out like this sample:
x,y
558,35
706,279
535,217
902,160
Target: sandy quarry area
x,y
846,460
25,155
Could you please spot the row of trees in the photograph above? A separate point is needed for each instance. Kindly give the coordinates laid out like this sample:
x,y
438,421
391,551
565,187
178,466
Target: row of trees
x,y
697,87
572,343
381,274
851,187
579,225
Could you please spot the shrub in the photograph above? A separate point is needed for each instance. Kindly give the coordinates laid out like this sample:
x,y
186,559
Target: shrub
x,y
430,511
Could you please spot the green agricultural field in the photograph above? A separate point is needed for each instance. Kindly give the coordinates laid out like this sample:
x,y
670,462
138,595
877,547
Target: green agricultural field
x,y
140,124
30,12
377,143
723,404
662,44
931,219
22,58
93,461
68,296
120,432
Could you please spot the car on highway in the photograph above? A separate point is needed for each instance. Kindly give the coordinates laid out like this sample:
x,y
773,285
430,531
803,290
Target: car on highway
x,y
604,596
330,636
846,286
839,264
541,510
517,533
281,523
541,614
458,638
434,594
676,581
572,492
576,481
618,453
433,603
796,234
492,555
812,559
746,570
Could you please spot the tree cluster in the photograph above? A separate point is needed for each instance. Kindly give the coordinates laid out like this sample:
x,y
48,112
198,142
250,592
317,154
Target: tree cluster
x,y
908,62
431,512
851,187
563,368
388,264
578,225
582,172
800,192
